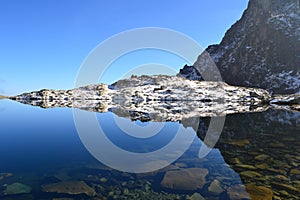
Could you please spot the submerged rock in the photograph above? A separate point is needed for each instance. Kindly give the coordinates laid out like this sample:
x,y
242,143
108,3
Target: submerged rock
x,y
240,143
215,187
250,174
69,187
261,157
185,179
196,196
295,171
5,175
17,188
237,192
286,187
259,192
271,159
262,166
249,167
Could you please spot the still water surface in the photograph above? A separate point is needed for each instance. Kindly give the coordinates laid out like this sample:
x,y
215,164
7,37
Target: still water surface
x,y
43,157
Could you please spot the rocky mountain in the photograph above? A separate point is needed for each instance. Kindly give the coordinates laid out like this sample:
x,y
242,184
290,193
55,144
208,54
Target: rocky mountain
x,y
155,98
162,98
262,49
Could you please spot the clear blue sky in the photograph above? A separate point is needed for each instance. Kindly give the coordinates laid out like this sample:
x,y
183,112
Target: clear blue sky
x,y
44,42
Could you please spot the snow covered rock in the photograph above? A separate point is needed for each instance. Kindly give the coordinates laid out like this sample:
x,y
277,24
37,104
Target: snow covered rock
x,y
156,98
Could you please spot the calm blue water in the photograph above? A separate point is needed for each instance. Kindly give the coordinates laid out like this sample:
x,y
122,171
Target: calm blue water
x,y
40,146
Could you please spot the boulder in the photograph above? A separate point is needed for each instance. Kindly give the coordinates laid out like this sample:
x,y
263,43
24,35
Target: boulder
x,y
185,179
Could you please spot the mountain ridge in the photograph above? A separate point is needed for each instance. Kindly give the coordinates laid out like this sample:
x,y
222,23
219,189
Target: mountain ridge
x,y
261,49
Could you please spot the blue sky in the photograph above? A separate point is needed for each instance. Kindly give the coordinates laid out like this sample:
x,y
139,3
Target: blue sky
x,y
43,43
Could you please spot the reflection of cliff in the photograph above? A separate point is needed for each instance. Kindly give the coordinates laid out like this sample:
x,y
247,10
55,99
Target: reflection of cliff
x,y
264,149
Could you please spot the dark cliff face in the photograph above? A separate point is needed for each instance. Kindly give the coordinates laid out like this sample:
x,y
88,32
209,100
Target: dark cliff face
x,y
262,49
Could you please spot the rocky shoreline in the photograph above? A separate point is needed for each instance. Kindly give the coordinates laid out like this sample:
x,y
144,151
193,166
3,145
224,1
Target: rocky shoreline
x,y
263,170
3,97
162,98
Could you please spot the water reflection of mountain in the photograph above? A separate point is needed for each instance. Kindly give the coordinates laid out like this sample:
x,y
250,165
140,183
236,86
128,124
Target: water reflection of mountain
x,y
257,141
264,149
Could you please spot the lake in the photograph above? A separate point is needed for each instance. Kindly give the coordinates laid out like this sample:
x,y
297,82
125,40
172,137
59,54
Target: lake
x,y
45,156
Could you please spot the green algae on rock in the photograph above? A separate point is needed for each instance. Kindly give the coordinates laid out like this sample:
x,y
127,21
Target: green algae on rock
x,y
17,188
69,187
